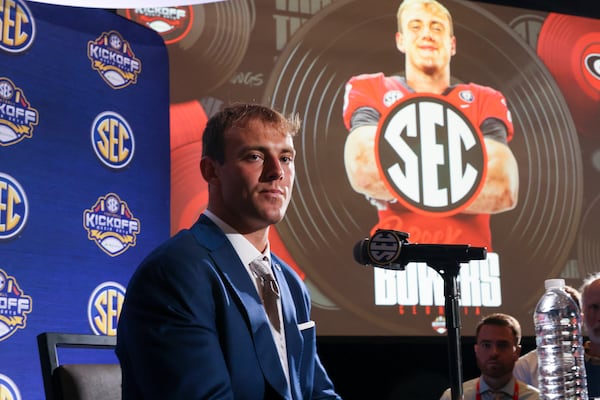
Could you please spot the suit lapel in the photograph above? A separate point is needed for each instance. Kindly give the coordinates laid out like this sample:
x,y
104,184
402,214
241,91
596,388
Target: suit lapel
x,y
240,283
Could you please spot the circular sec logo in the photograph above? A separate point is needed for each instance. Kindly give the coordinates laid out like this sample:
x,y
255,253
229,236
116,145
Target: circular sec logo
x,y
112,139
104,308
430,156
18,26
14,207
8,389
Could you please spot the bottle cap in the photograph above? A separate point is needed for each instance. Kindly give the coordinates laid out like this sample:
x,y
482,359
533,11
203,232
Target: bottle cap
x,y
554,283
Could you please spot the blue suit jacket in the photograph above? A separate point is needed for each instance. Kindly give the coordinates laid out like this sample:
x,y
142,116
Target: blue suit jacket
x,y
193,327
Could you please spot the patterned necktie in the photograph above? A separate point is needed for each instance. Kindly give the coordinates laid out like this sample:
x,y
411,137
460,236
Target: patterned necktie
x,y
268,289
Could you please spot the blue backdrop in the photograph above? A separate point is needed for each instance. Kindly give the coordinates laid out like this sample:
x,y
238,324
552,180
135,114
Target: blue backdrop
x,y
84,174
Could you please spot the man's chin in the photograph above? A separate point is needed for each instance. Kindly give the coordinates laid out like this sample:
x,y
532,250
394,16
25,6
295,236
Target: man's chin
x,y
495,370
273,217
431,69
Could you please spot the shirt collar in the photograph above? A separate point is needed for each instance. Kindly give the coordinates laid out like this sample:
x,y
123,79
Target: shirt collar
x,y
509,388
244,249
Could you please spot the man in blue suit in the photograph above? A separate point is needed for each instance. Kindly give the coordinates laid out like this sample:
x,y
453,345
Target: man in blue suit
x,y
193,325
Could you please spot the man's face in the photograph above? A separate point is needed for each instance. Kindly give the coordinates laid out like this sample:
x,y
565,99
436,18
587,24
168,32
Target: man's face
x,y
426,38
496,351
591,311
255,181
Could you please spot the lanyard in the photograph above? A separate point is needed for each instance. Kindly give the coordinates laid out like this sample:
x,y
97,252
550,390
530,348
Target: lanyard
x,y
515,391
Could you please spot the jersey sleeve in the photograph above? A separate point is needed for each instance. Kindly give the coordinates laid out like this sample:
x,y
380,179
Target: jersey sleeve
x,y
361,92
495,106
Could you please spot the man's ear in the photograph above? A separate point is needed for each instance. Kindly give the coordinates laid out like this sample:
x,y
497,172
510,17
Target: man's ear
x,y
400,42
209,170
453,49
517,351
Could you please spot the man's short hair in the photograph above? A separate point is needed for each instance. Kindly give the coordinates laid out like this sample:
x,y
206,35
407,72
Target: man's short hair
x,y
239,115
431,4
500,319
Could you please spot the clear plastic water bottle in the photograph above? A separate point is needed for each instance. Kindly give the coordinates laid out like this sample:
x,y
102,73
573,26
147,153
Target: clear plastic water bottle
x,y
561,368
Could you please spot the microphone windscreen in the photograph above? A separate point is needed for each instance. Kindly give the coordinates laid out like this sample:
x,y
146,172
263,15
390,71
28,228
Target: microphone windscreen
x,y
361,253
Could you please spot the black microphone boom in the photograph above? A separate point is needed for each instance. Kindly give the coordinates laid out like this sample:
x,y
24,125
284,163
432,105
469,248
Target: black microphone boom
x,y
390,250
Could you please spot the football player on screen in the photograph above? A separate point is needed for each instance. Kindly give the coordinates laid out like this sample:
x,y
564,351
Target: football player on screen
x,y
438,167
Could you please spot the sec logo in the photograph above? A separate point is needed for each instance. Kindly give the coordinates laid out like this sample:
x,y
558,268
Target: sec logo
x,y
430,156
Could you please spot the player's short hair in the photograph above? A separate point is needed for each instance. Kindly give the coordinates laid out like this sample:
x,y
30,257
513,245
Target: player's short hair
x,y
430,4
239,115
501,319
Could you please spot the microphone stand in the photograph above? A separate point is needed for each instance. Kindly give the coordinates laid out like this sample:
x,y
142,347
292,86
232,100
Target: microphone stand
x,y
449,270
384,249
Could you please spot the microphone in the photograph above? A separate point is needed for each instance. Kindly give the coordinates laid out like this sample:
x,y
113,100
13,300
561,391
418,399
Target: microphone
x,y
390,249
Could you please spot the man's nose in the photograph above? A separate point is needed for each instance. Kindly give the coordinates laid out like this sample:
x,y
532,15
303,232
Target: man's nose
x,y
426,32
273,169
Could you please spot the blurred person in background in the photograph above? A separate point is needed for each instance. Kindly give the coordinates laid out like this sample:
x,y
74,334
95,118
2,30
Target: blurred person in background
x,y
590,308
497,348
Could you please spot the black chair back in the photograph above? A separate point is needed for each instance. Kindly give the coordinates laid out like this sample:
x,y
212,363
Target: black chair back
x,y
78,381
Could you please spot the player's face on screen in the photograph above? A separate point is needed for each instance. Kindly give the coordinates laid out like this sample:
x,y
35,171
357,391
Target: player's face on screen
x,y
426,38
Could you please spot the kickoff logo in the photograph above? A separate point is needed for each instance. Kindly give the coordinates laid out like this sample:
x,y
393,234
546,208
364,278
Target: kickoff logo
x,y
112,140
8,389
18,26
114,60
14,306
17,117
104,308
430,155
14,207
111,225
172,23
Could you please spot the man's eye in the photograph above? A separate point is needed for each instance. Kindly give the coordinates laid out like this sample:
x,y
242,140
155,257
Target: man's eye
x,y
436,26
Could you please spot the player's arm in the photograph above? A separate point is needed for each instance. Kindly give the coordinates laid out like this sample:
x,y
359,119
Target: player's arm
x,y
359,160
361,116
501,187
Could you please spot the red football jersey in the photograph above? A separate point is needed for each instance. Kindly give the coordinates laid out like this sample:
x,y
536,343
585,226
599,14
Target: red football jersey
x,y
478,103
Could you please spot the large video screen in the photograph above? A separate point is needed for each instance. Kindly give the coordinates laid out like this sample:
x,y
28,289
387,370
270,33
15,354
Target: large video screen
x,y
507,158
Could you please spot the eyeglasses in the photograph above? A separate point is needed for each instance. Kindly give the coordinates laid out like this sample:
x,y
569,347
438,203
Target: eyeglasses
x,y
502,346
